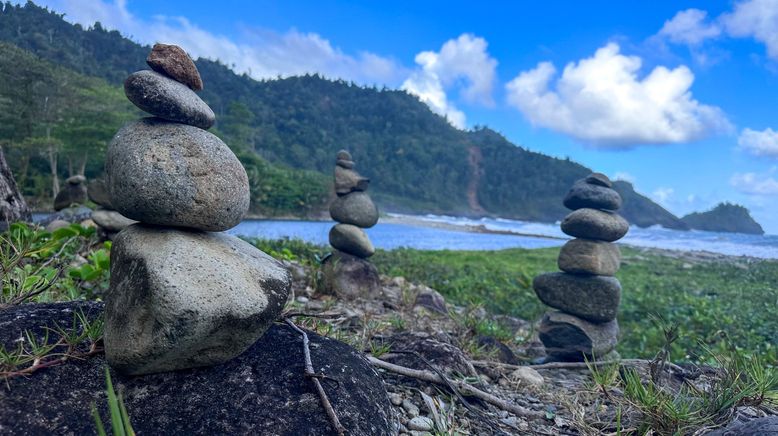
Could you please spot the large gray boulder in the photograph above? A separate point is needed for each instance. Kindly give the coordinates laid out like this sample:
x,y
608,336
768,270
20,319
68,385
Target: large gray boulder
x,y
352,240
586,256
261,392
349,277
589,223
355,208
569,338
593,298
173,174
166,98
181,299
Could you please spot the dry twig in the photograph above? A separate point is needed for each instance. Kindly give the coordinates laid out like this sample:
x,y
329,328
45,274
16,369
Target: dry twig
x,y
576,365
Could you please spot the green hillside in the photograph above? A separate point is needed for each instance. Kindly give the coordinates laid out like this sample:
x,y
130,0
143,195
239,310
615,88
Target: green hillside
x,y
725,217
417,162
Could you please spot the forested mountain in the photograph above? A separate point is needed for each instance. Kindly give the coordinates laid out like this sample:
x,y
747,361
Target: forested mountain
x,y
725,217
417,162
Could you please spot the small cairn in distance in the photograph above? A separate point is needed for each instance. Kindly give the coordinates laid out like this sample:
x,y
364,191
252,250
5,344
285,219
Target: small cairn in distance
x,y
182,294
347,273
586,293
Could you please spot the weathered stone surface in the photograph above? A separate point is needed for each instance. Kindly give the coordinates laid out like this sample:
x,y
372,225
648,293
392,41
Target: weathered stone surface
x,y
593,298
175,175
111,220
355,208
444,356
527,376
569,338
595,224
431,299
181,299
599,179
765,426
165,98
74,192
13,208
174,62
584,194
262,391
352,240
587,256
97,191
349,277
343,155
347,180
348,164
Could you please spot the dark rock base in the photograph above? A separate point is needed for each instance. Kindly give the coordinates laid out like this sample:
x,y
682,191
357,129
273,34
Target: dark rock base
x,y
349,277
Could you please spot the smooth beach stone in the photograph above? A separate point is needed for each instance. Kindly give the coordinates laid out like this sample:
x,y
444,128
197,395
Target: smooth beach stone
x,y
352,240
347,180
173,174
586,256
593,298
174,62
355,208
111,220
185,298
74,192
97,191
569,338
595,224
343,155
165,98
347,164
349,277
584,194
599,179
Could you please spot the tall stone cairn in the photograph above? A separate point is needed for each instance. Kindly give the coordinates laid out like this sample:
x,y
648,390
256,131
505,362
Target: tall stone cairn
x,y
586,293
347,273
181,296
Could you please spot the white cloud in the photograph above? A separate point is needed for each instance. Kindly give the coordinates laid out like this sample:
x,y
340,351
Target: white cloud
x,y
261,53
756,19
662,195
625,176
602,101
753,184
462,63
759,143
689,27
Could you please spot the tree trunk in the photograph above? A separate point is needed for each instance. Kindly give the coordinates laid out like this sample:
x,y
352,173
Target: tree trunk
x,y
12,205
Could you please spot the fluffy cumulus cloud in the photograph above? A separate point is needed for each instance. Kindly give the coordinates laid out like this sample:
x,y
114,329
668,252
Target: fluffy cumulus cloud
x,y
690,27
754,184
759,143
601,100
462,63
260,53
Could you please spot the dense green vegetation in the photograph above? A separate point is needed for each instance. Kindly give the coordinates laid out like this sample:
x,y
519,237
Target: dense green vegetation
x,y
725,217
417,162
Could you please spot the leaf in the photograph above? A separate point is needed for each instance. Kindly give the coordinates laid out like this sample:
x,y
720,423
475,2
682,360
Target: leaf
x,y
65,232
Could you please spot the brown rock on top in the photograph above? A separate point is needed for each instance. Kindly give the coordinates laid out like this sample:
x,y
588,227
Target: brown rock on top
x,y
174,62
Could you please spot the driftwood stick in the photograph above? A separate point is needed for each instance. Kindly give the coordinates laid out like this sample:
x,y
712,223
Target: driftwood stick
x,y
310,373
574,365
467,389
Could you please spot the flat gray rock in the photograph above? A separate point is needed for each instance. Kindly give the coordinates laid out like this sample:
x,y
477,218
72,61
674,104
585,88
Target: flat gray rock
x,y
593,298
173,174
348,180
355,208
568,338
595,224
352,240
348,164
181,299
97,191
349,277
165,98
111,220
595,196
587,256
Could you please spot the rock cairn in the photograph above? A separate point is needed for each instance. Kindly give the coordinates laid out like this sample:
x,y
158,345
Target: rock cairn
x,y
347,273
181,296
74,192
585,293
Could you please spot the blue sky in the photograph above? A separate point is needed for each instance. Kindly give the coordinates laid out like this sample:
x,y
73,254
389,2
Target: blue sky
x,y
677,97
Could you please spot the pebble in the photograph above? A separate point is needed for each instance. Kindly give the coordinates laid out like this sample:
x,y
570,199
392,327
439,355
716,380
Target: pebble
x,y
396,399
528,376
421,423
411,409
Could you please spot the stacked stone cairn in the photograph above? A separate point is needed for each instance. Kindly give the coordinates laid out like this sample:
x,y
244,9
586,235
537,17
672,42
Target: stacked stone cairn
x,y
74,192
347,273
181,296
586,293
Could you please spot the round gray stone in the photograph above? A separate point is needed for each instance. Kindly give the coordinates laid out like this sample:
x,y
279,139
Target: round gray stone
x,y
764,426
97,190
595,224
348,164
182,299
111,220
165,98
569,338
599,179
355,208
349,277
352,240
593,298
343,155
348,180
584,194
175,175
586,256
